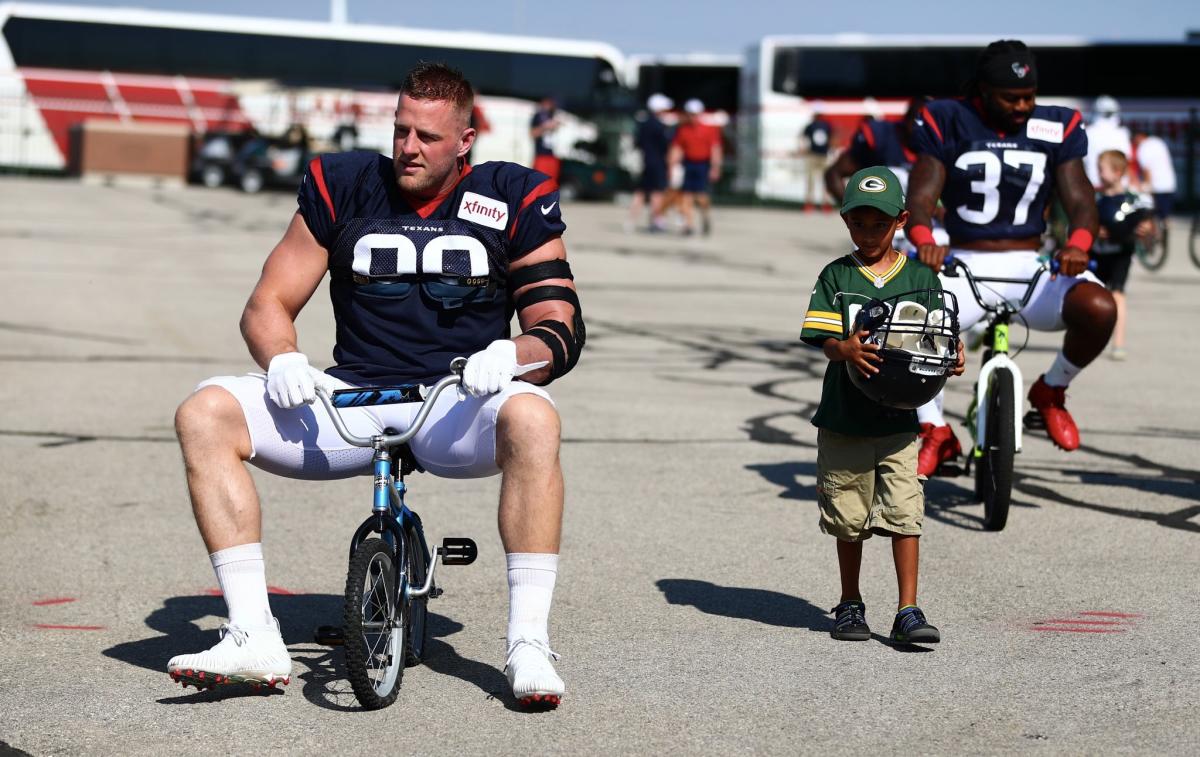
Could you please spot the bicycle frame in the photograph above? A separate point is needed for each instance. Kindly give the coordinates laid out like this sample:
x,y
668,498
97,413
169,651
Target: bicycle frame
x,y
999,313
999,360
390,516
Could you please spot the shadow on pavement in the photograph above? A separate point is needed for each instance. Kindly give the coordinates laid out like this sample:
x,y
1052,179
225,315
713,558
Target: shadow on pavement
x,y
760,605
178,632
786,476
904,648
953,503
325,683
441,657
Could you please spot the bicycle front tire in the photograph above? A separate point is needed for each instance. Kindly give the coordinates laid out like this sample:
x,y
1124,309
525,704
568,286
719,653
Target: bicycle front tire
x,y
376,625
417,615
994,472
1194,241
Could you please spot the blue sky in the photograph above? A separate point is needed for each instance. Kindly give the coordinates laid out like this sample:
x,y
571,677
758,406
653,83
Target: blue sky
x,y
722,26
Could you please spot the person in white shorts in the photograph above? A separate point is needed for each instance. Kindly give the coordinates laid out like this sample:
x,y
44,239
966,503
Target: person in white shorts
x,y
429,258
995,159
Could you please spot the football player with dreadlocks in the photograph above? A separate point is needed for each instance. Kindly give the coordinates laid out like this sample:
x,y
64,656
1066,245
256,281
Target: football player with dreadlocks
x,y
995,158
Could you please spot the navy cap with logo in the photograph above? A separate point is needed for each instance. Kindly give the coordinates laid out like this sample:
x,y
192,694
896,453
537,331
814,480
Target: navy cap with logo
x,y
875,187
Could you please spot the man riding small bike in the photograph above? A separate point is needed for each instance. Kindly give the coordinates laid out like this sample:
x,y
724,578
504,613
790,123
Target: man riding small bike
x,y
428,259
995,159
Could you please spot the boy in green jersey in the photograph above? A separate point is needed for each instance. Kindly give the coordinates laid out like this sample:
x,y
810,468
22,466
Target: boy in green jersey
x,y
867,452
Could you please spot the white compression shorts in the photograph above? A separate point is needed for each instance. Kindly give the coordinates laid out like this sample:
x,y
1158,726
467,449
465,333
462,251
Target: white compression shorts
x,y
458,439
1044,310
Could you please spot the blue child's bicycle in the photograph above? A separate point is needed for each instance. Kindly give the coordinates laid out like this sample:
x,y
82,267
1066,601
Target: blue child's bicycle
x,y
391,573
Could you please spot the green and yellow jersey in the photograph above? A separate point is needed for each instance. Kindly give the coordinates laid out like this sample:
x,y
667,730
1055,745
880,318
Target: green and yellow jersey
x,y
843,287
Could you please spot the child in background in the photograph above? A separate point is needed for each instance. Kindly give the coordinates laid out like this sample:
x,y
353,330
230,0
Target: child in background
x,y
1125,220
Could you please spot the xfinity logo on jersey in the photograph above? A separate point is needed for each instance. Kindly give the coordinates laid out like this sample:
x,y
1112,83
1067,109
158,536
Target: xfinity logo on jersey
x,y
1047,131
483,210
873,184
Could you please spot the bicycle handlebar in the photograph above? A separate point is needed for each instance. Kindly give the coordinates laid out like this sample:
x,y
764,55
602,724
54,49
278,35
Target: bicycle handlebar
x,y
952,265
392,440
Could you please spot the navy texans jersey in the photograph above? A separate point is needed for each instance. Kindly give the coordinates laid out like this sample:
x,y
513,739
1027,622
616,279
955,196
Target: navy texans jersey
x,y
997,184
414,286
881,143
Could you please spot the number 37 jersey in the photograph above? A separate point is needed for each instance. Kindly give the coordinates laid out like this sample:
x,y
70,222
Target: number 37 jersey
x,y
997,183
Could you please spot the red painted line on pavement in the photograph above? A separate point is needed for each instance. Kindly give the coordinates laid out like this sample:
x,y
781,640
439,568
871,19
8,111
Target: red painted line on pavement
x,y
1112,614
1076,621
1076,630
48,627
55,601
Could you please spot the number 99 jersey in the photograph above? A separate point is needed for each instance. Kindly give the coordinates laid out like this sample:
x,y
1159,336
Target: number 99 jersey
x,y
414,285
997,183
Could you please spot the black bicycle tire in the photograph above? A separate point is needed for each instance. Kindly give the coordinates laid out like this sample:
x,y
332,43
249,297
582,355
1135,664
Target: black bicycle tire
x,y
1154,256
995,472
1194,241
357,670
417,616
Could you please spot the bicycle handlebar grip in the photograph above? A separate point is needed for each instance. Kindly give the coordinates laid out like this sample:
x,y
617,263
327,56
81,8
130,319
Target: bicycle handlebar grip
x,y
1055,265
947,262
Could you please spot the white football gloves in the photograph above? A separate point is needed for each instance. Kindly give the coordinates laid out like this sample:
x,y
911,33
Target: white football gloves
x,y
292,382
491,369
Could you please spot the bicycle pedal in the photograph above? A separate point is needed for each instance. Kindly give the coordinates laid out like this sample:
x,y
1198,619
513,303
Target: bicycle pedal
x,y
458,550
1033,421
330,636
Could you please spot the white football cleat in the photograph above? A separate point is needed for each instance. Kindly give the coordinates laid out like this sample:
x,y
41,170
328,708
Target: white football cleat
x,y
256,656
531,674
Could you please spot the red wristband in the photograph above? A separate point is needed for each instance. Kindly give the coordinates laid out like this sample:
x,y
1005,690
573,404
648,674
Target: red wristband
x,y
1081,239
920,235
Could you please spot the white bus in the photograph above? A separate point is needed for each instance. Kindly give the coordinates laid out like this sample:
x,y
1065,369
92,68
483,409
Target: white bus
x,y
849,77
62,64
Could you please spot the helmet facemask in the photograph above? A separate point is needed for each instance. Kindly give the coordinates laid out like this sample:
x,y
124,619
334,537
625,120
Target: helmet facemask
x,y
917,333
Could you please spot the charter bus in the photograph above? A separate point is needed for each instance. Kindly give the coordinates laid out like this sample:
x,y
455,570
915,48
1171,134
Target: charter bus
x,y
850,77
62,64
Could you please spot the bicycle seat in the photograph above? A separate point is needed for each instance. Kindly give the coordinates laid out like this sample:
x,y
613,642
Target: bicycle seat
x,y
378,395
404,456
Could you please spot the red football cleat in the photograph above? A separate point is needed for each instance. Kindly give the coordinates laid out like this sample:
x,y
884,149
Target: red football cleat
x,y
1050,402
938,444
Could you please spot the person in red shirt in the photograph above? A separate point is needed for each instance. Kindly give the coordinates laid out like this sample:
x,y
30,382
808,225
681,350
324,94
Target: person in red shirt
x,y
541,129
698,146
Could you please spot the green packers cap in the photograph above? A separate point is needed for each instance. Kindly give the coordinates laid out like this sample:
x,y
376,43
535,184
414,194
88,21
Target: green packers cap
x,y
876,187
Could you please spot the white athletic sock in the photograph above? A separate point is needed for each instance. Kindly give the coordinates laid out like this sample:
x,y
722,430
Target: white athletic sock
x,y
1061,373
242,575
931,411
531,578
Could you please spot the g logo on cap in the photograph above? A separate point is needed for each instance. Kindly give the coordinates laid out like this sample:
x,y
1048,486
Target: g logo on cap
x,y
873,184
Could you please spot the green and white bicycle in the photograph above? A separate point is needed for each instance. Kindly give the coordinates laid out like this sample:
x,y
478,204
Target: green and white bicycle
x,y
993,418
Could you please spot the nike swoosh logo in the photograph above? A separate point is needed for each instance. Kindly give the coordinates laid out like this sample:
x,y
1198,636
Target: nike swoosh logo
x,y
547,208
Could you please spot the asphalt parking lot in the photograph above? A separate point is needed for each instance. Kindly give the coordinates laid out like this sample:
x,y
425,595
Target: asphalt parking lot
x,y
691,607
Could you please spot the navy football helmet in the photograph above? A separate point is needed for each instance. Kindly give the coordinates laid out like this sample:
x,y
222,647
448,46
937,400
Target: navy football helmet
x,y
1122,213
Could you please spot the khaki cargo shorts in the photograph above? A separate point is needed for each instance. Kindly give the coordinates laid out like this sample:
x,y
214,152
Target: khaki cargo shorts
x,y
868,485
